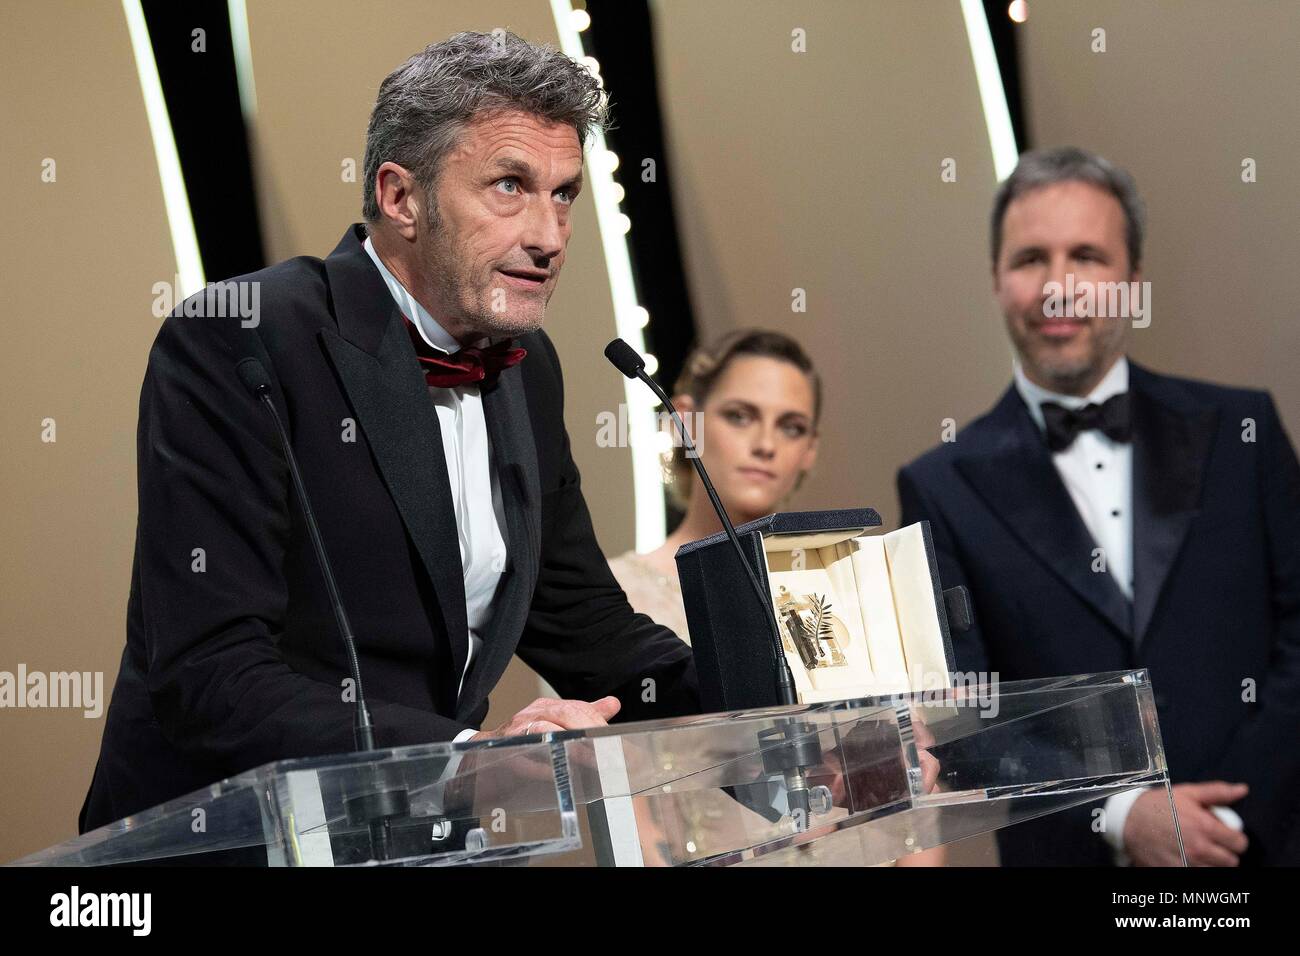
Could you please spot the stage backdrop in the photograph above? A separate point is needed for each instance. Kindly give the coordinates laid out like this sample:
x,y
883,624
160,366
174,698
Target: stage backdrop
x,y
818,171
84,240
1184,102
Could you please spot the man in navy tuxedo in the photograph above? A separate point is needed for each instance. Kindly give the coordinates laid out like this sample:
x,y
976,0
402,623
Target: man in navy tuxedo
x,y
425,407
1107,517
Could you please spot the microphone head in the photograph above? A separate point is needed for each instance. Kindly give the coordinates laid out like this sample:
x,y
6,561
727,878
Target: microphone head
x,y
253,374
625,358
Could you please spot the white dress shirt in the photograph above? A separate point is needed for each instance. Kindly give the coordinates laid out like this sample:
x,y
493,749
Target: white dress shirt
x,y
1098,473
480,518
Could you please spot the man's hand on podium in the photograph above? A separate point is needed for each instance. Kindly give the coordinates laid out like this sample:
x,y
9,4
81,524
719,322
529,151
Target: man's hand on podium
x,y
929,763
485,780
1207,840
547,714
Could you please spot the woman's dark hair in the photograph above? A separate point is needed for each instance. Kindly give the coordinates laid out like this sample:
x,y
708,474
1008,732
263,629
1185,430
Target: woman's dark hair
x,y
705,365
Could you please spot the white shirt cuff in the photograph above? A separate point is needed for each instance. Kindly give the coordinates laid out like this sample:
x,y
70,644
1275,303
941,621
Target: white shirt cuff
x,y
1116,810
1118,806
453,763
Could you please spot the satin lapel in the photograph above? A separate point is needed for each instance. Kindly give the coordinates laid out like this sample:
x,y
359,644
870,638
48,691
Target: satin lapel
x,y
1171,444
514,460
1017,479
377,367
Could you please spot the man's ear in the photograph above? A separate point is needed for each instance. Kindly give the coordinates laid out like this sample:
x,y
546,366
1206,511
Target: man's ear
x,y
398,199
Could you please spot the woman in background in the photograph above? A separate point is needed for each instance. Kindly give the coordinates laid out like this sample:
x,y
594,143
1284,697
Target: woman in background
x,y
752,401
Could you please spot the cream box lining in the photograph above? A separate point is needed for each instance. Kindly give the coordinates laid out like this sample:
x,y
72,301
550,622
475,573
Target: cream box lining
x,y
857,612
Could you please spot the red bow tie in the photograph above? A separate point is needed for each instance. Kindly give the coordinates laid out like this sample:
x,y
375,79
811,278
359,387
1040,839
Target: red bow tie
x,y
470,366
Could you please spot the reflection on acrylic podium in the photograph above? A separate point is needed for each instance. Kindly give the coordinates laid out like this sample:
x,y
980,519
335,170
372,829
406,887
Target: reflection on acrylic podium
x,y
853,782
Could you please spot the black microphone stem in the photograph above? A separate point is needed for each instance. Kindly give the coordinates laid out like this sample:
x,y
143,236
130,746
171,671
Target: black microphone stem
x,y
791,746
784,679
363,730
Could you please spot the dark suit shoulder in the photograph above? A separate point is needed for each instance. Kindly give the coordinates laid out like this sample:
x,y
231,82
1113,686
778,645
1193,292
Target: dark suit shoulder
x,y
287,274
277,306
1174,389
300,279
982,432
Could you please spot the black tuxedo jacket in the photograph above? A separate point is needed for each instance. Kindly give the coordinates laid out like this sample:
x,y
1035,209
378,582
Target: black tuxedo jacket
x,y
232,656
1216,543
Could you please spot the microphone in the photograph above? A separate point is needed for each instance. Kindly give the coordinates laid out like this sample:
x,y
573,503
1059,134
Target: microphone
x,y
628,361
792,746
370,799
255,378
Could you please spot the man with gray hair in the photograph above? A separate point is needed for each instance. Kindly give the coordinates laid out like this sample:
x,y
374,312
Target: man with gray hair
x,y
1106,517
425,406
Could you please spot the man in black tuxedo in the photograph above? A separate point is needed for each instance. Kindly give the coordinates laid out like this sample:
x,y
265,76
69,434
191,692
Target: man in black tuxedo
x,y
1107,517
425,407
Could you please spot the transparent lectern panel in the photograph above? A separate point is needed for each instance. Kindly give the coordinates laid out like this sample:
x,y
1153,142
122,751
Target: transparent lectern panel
x,y
698,788
853,782
433,805
427,806
869,781
1034,840
222,823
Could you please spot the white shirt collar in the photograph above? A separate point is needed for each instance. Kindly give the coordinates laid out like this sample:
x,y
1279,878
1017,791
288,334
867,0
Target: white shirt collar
x,y
432,333
1113,383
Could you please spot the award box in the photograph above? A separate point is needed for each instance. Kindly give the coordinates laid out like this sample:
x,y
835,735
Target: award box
x,y
859,612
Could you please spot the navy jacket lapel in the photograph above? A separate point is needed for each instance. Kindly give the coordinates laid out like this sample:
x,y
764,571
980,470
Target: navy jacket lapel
x,y
514,460
1015,476
376,364
1172,437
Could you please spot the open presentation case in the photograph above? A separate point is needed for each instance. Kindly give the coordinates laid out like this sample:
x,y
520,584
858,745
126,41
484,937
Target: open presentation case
x,y
859,612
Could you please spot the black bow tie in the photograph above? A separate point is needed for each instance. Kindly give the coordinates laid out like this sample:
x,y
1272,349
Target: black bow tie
x,y
1113,418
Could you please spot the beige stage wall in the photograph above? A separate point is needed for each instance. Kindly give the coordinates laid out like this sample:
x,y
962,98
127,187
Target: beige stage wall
x,y
816,170
821,171
80,257
1182,101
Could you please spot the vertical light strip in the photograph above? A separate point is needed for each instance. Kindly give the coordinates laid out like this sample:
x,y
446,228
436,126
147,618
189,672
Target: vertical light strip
x,y
243,48
997,117
185,244
647,483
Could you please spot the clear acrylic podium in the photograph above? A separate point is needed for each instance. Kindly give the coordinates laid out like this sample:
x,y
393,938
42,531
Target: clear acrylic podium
x,y
854,782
